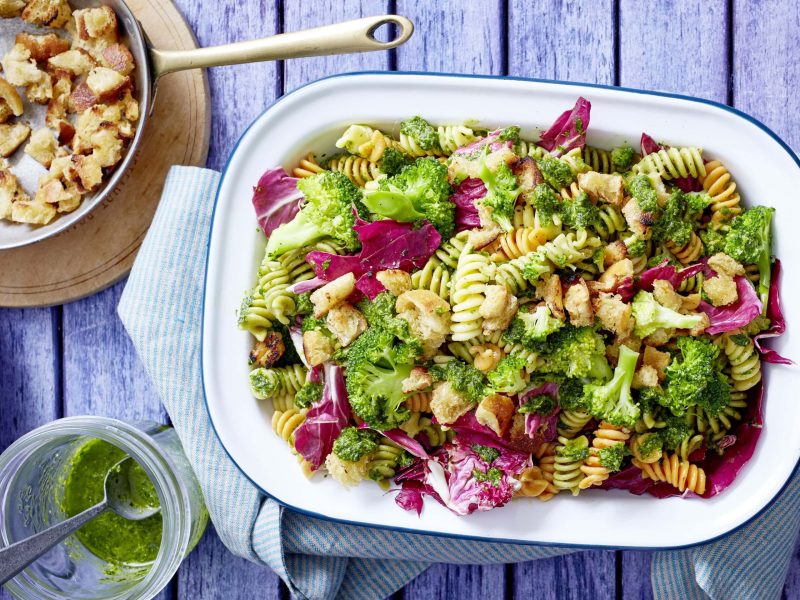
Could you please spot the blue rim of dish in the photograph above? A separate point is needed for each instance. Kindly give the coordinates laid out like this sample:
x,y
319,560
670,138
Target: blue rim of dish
x,y
473,538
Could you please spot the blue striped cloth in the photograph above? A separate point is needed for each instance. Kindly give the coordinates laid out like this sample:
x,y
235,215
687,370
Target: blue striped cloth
x,y
161,309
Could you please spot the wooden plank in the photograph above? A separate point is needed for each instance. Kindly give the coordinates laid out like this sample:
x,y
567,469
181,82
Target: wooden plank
x,y
31,381
213,572
635,568
675,29
478,28
765,78
239,94
299,14
442,582
465,40
572,576
553,39
566,41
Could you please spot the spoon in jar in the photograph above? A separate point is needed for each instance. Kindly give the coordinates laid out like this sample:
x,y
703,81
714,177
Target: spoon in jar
x,y
119,496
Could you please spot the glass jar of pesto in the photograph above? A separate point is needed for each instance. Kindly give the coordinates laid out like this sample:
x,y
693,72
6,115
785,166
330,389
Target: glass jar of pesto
x,y
54,472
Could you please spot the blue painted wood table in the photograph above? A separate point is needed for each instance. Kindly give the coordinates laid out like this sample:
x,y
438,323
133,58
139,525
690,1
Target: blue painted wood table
x,y
76,359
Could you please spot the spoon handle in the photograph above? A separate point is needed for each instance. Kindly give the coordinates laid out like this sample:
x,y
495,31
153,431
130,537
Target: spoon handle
x,y
17,556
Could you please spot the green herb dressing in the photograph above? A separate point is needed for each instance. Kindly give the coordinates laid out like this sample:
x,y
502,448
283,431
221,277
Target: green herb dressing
x,y
109,536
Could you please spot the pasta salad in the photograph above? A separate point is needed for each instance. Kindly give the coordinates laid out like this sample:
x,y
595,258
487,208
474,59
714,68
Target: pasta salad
x,y
476,317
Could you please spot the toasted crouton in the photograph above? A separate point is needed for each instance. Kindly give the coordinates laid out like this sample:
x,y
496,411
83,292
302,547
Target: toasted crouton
x,y
78,62
614,314
345,323
665,295
496,412
613,276
527,174
331,294
725,265
10,101
554,297
42,147
656,359
31,212
51,13
488,232
658,338
721,290
614,252
518,439
705,323
11,8
317,347
106,84
107,146
96,23
498,309
428,316
12,136
690,303
10,192
267,352
42,47
600,186
119,58
419,379
646,376
65,197
578,303
18,67
396,281
40,92
639,222
447,405
345,472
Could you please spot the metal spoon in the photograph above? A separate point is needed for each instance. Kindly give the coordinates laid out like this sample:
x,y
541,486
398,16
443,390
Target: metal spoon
x,y
118,497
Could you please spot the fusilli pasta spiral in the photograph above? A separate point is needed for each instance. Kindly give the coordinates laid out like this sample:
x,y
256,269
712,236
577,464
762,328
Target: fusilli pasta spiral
x,y
678,473
672,163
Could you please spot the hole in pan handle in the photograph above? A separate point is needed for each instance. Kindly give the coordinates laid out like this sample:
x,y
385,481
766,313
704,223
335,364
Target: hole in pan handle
x,y
340,38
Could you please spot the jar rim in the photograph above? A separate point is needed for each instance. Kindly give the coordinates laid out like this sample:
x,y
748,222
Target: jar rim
x,y
157,464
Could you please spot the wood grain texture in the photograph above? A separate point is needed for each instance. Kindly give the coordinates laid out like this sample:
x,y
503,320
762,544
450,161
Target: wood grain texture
x,y
635,581
442,582
573,576
469,40
559,39
675,46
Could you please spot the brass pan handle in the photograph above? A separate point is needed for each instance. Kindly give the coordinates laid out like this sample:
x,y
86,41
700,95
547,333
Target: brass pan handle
x,y
341,38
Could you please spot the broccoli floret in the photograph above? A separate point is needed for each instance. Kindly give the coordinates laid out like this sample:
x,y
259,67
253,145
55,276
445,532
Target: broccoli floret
x,y
657,259
501,192
636,247
510,134
622,157
303,304
392,161
328,212
380,313
486,453
650,446
506,377
419,191
556,172
611,457
570,394
530,327
678,218
692,378
307,395
311,323
376,367
579,213
422,132
354,443
750,242
757,325
575,449
546,203
713,241
466,379
540,405
650,316
641,189
675,432
613,401
574,352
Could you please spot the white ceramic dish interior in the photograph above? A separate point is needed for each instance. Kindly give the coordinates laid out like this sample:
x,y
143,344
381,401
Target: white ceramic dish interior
x,y
311,118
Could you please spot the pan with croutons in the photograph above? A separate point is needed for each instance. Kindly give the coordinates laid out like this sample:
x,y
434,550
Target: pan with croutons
x,y
77,79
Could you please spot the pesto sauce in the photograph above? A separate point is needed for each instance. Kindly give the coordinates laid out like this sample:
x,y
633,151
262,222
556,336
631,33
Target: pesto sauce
x,y
109,536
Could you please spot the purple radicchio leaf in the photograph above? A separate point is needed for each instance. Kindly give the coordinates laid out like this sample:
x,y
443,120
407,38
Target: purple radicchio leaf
x,y
777,321
465,197
324,420
276,199
734,316
569,129
667,272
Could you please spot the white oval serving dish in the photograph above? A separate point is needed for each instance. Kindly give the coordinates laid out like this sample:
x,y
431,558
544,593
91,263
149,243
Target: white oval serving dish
x,y
312,117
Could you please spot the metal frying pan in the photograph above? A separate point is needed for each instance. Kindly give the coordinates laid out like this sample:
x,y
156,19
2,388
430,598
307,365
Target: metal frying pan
x,y
341,38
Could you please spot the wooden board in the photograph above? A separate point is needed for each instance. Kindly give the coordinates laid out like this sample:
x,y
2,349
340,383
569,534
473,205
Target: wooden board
x,y
100,249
